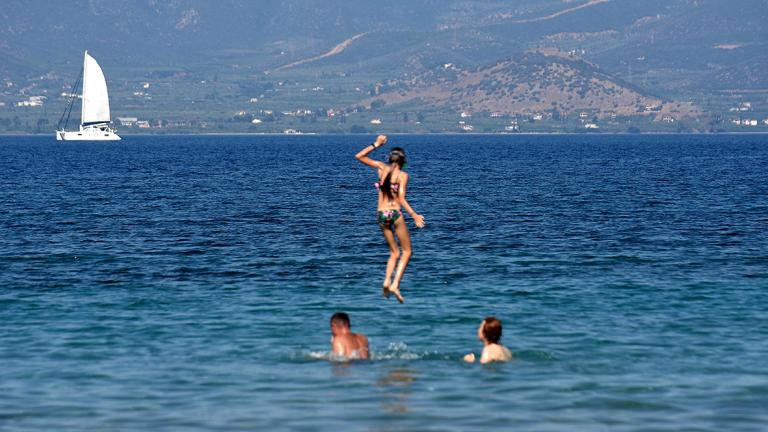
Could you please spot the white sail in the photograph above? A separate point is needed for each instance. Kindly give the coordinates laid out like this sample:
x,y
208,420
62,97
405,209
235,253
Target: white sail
x,y
95,97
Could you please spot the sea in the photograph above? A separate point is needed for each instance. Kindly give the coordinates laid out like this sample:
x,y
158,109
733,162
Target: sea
x,y
185,283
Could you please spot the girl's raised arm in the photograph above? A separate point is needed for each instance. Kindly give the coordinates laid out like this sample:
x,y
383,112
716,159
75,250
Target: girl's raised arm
x,y
362,155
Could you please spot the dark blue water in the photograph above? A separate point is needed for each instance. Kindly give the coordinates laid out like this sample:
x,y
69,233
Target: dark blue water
x,y
185,283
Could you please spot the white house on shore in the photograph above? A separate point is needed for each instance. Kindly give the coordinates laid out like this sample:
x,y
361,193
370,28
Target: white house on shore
x,y
127,121
32,101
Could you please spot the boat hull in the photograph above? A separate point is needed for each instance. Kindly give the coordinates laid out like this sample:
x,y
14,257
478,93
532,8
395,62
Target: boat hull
x,y
88,134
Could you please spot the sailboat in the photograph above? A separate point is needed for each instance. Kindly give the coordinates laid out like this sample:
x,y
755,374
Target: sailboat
x,y
94,118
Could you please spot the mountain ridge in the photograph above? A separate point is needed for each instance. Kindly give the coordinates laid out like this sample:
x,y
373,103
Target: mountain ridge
x,y
531,83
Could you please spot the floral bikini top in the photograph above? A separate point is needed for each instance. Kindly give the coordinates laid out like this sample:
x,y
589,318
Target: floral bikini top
x,y
393,186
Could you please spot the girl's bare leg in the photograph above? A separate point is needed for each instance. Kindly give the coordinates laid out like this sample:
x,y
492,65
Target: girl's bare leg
x,y
394,253
405,242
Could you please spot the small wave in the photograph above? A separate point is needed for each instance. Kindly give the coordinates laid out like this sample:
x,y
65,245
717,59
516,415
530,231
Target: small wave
x,y
534,355
319,355
400,351
394,351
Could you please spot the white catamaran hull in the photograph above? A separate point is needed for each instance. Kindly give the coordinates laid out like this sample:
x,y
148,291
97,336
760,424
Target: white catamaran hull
x,y
88,134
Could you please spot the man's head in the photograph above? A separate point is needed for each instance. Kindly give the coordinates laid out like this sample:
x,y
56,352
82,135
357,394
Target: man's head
x,y
490,330
340,323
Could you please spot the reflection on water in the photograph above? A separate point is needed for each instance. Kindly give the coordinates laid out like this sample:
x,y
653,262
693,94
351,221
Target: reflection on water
x,y
396,387
341,368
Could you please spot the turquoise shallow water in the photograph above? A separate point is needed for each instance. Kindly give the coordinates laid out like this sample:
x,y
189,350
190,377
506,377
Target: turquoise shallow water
x,y
185,283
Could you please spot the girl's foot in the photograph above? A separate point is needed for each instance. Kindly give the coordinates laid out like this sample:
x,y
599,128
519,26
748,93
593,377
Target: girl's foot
x,y
385,289
398,296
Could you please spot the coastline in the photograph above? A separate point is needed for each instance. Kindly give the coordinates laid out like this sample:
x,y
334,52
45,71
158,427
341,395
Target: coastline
x,y
417,134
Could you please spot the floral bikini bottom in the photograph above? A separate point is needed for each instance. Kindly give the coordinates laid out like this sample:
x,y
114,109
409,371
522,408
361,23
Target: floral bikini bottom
x,y
388,217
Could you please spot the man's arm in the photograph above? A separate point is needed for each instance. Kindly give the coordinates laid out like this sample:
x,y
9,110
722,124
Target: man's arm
x,y
339,348
364,350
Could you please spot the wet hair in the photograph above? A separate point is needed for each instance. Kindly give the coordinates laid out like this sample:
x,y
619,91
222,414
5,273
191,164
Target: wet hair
x,y
341,318
396,157
492,329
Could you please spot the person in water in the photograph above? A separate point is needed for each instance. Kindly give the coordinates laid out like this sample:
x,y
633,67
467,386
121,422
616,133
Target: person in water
x,y
391,187
344,343
489,334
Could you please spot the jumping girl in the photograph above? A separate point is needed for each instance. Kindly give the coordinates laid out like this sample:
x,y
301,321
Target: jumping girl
x,y
392,186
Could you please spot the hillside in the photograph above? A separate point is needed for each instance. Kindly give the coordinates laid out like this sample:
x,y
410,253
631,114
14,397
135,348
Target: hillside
x,y
527,84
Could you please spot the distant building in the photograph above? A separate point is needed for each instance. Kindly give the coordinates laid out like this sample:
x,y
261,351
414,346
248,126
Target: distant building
x,y
145,85
668,119
744,106
253,100
745,122
583,115
127,121
466,127
32,101
765,121
143,124
591,126
376,121
291,132
496,114
465,114
537,117
255,121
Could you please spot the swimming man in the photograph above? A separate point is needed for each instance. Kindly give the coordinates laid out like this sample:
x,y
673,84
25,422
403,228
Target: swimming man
x,y
344,343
